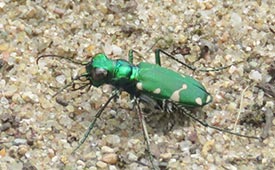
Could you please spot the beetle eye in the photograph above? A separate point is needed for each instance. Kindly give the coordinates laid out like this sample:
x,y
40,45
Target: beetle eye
x,y
99,74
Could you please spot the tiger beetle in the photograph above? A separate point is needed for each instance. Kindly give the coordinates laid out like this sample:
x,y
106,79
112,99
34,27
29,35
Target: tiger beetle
x,y
145,83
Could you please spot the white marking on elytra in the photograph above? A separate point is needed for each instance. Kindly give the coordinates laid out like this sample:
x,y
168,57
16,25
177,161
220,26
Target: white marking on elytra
x,y
198,101
208,99
176,95
157,91
184,87
139,85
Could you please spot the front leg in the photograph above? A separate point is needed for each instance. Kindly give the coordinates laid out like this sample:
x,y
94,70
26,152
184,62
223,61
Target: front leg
x,y
94,121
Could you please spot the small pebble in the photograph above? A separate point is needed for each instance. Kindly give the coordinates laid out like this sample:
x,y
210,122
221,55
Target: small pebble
x,y
61,79
112,140
185,146
19,141
5,117
13,151
166,156
236,20
29,166
70,108
10,90
133,142
207,147
22,149
179,135
50,152
132,157
195,37
5,126
80,162
101,164
90,155
62,101
2,4
255,75
112,167
116,50
15,165
110,158
4,46
64,160
4,102
28,96
65,120
106,149
2,152
174,164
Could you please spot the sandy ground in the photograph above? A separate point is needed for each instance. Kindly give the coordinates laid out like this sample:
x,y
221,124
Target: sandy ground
x,y
40,132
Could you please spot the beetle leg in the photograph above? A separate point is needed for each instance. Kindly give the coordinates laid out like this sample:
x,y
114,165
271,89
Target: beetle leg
x,y
145,133
96,117
189,114
131,55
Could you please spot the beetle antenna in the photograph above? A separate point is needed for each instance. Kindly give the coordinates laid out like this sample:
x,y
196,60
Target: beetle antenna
x,y
58,56
158,51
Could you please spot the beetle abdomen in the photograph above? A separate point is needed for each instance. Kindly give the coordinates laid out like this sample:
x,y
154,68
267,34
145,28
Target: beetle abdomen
x,y
162,83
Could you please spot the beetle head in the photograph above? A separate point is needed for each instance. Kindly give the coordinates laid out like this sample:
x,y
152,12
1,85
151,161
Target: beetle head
x,y
99,70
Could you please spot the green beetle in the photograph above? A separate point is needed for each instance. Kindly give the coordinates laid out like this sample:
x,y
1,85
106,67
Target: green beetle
x,y
152,80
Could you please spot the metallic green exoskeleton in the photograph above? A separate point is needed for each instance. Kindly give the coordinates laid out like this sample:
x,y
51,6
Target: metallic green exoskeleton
x,y
152,80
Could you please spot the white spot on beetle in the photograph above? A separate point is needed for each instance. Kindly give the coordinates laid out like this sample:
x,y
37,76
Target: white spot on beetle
x,y
157,91
198,101
139,85
208,99
184,87
176,95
